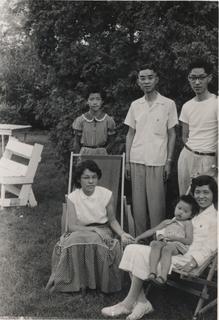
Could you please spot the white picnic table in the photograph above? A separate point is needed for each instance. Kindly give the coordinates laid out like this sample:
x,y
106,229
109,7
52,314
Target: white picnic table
x,y
9,130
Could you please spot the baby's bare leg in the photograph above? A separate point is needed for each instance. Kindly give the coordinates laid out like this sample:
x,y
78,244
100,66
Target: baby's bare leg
x,y
156,248
166,256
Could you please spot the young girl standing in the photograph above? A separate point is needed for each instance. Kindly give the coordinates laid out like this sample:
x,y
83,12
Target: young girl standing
x,y
95,129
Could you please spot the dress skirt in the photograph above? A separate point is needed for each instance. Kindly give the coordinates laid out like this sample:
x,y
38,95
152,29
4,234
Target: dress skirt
x,y
87,259
136,257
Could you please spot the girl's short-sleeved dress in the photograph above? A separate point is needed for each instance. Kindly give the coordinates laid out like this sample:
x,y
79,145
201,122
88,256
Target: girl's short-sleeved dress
x,y
175,228
94,133
87,259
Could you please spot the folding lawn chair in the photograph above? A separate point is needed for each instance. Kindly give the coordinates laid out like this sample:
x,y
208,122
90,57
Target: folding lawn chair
x,y
198,282
113,171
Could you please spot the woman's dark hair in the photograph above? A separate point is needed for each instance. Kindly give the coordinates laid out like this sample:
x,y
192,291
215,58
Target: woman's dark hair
x,y
81,167
95,89
206,181
187,198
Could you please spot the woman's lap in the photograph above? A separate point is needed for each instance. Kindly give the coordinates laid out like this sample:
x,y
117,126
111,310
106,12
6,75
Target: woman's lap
x,y
135,260
77,260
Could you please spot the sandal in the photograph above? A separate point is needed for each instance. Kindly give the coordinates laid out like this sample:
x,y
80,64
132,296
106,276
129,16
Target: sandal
x,y
152,276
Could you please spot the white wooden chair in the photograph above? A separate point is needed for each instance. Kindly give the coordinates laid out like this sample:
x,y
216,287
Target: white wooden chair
x,y
18,166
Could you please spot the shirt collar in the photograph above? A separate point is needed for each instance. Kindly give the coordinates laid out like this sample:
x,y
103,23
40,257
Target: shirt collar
x,y
211,209
159,99
84,196
94,118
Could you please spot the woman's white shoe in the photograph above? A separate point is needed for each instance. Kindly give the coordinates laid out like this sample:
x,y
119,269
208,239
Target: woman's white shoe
x,y
140,310
115,310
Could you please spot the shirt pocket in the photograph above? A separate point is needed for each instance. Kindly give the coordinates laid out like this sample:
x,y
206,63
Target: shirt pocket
x,y
160,125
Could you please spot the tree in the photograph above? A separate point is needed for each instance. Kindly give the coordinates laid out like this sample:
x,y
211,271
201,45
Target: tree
x,y
82,42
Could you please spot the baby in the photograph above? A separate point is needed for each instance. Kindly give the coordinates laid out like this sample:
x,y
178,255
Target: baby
x,y
173,236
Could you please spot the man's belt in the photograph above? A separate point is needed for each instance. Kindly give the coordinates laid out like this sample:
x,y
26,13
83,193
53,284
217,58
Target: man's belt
x,y
93,147
212,154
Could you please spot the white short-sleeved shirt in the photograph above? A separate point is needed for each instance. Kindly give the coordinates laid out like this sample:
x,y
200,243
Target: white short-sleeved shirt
x,y
91,209
202,118
149,145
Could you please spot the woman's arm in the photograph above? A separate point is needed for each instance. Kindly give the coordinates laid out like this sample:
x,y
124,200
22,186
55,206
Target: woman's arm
x,y
76,143
115,226
187,240
110,140
189,266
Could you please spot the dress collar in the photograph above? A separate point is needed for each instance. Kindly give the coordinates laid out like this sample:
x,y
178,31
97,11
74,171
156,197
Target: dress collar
x,y
93,118
84,196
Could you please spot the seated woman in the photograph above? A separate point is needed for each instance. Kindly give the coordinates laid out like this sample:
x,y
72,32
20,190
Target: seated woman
x,y
135,259
88,255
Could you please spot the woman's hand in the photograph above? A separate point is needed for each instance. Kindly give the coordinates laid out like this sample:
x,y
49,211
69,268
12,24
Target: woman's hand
x,y
126,238
137,239
186,268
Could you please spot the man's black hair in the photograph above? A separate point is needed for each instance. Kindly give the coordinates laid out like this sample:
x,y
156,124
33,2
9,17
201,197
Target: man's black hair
x,y
148,66
201,63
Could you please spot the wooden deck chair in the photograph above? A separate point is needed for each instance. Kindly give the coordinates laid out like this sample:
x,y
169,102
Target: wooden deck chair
x,y
18,166
197,283
113,171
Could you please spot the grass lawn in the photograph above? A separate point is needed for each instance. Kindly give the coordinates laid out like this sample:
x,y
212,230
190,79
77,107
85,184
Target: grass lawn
x,y
27,237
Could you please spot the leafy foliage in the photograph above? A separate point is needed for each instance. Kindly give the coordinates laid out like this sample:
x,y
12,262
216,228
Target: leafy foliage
x,y
77,43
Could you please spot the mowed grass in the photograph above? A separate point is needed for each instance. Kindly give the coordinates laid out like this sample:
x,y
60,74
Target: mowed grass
x,y
27,237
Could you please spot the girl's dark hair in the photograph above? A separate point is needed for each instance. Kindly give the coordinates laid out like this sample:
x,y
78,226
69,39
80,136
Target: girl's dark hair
x,y
81,167
187,198
201,63
206,181
95,89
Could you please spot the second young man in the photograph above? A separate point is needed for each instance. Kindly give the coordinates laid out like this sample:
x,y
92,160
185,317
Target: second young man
x,y
149,149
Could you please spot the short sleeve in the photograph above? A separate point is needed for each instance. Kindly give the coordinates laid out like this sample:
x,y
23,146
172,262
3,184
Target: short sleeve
x,y
111,126
104,195
130,117
78,125
173,118
72,195
203,252
184,115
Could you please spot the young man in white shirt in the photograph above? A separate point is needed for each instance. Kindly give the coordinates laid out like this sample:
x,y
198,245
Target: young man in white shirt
x,y
149,149
199,119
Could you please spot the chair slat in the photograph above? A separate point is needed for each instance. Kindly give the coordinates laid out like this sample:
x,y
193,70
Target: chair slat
x,y
19,148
